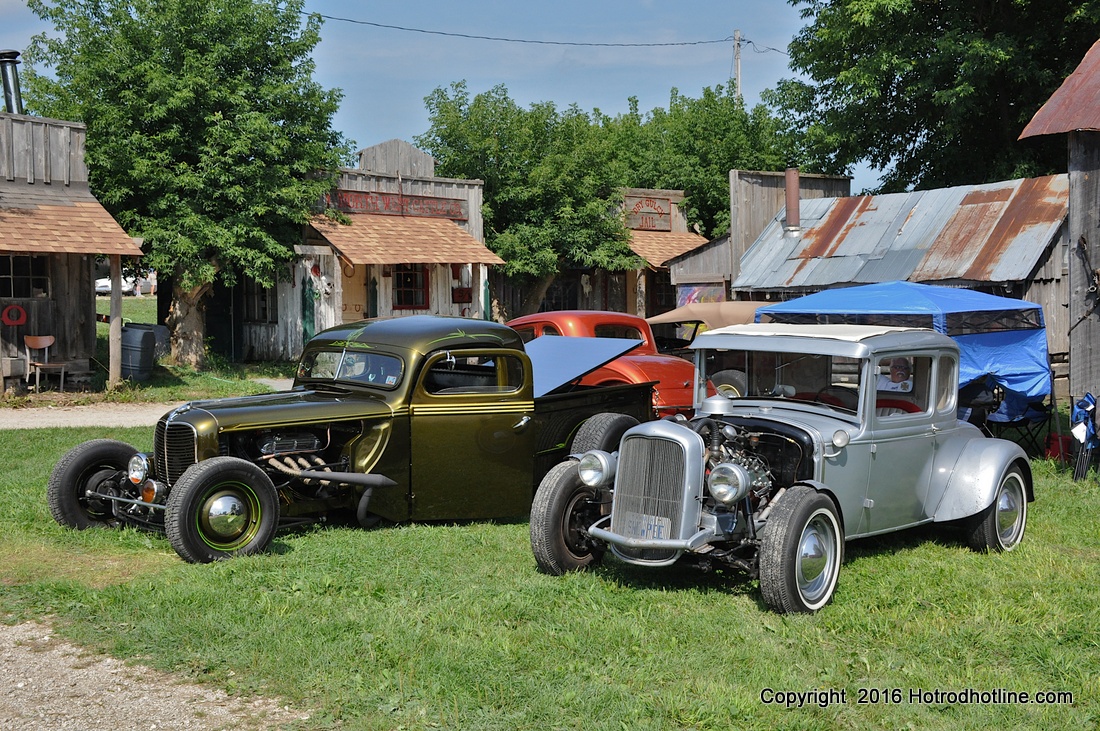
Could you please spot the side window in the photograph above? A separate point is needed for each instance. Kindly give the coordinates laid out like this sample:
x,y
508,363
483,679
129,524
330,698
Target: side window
x,y
628,332
452,374
526,333
550,330
903,385
947,384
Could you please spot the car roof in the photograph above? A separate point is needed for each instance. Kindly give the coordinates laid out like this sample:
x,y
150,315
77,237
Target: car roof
x,y
421,333
854,341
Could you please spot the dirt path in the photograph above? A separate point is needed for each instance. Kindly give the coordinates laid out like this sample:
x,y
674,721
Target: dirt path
x,y
103,414
51,685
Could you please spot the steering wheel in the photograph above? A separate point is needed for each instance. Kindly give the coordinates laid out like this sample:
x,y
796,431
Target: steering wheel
x,y
838,396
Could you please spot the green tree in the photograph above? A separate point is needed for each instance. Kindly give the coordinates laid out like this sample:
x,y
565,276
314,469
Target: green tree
x,y
207,136
933,93
693,145
552,197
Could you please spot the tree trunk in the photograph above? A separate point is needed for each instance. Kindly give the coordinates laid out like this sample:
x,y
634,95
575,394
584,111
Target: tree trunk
x,y
536,295
187,325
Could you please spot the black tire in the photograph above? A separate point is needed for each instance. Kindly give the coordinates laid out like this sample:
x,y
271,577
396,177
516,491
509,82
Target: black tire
x,y
602,431
730,383
561,514
98,462
219,508
801,550
1000,527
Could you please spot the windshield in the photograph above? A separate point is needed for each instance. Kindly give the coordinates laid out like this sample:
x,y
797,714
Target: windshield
x,y
364,369
810,377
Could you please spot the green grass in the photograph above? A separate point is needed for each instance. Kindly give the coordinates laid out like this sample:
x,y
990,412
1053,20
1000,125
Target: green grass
x,y
451,626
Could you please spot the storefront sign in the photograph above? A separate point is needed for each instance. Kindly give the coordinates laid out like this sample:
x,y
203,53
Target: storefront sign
x,y
392,204
648,214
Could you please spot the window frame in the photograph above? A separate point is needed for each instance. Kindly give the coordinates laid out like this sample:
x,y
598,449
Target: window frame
x,y
423,289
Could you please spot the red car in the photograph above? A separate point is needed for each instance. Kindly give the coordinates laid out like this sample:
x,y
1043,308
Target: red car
x,y
674,376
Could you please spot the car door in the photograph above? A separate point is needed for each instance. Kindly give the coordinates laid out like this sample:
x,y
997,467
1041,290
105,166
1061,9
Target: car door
x,y
472,436
903,441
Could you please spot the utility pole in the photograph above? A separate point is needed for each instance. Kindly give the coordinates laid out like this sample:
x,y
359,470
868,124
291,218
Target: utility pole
x,y
737,62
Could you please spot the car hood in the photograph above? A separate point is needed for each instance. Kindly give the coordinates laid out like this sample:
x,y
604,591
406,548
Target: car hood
x,y
558,361
285,408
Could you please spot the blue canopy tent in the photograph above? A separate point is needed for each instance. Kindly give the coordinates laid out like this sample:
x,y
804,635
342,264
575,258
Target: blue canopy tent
x,y
1002,341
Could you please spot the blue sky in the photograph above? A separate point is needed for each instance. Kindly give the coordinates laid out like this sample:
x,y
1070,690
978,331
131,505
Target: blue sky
x,y
385,73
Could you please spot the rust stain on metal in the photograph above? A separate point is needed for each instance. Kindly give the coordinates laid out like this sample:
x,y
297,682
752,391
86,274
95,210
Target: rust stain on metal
x,y
1073,106
988,222
983,196
824,239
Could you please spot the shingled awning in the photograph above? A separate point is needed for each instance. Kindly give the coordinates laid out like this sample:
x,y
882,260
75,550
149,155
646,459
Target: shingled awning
x,y
58,219
382,239
658,247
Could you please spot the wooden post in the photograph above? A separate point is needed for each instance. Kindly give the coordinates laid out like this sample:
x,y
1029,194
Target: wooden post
x,y
114,336
1084,278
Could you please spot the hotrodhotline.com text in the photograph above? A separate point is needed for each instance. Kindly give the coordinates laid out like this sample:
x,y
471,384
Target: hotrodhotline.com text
x,y
825,697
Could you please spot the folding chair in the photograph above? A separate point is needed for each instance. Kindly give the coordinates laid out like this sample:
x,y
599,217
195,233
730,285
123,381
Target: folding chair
x,y
37,353
1022,421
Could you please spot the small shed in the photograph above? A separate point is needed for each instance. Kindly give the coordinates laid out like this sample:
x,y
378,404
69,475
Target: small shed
x,y
51,230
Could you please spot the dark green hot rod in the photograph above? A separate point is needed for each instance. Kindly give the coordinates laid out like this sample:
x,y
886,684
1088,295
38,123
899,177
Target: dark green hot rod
x,y
411,418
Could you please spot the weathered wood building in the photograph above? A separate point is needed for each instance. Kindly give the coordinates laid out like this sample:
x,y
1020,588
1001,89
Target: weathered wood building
x,y
414,245
1074,110
51,230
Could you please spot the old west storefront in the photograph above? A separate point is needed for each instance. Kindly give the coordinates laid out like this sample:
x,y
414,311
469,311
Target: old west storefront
x,y
413,246
51,230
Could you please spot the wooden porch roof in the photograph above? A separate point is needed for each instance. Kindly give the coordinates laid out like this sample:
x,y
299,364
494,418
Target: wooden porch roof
x,y
58,219
658,247
382,239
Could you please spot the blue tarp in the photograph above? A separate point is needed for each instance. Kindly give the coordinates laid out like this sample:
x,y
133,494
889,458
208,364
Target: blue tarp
x,y
1000,339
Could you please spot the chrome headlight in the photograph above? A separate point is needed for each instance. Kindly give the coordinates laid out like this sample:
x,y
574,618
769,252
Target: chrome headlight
x,y
597,468
729,483
138,468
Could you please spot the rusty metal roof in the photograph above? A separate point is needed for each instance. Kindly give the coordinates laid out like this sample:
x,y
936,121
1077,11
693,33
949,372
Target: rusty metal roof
x,y
1076,103
994,232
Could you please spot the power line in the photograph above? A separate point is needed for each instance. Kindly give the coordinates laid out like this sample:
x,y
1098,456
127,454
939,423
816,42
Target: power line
x,y
471,36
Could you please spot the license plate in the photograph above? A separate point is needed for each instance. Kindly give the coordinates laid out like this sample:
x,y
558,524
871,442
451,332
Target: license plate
x,y
647,527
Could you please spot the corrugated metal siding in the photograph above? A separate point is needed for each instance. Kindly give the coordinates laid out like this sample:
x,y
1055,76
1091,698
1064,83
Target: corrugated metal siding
x,y
983,233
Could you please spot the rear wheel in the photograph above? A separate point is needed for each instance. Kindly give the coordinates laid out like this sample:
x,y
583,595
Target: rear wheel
x,y
602,431
219,508
563,510
1000,527
99,466
801,549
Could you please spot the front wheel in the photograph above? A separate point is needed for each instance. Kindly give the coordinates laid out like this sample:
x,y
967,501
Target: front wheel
x,y
1000,527
97,466
563,510
221,507
801,549
602,431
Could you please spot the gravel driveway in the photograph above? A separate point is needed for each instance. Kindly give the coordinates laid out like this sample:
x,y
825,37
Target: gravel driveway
x,y
50,685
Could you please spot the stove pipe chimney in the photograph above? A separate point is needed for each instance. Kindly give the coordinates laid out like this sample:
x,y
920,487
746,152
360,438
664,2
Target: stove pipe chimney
x,y
794,224
8,61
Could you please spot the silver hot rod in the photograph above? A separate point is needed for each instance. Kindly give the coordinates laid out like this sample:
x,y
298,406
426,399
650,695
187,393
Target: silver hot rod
x,y
832,433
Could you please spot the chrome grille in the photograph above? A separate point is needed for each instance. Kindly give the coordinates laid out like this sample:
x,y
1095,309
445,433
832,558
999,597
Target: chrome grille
x,y
649,486
173,450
